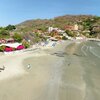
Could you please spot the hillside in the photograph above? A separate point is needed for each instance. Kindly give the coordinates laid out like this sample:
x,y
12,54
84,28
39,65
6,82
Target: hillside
x,y
86,23
59,22
88,26
31,25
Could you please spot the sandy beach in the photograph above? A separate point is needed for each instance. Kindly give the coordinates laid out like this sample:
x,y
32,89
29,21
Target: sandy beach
x,y
64,72
17,77
13,62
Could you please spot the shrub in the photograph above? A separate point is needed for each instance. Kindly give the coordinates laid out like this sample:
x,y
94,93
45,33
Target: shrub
x,y
17,37
26,44
70,33
64,38
2,48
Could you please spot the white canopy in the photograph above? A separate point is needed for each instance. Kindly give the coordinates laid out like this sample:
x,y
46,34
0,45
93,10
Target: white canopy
x,y
14,45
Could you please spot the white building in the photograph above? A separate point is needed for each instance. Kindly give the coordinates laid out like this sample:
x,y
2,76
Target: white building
x,y
50,29
75,27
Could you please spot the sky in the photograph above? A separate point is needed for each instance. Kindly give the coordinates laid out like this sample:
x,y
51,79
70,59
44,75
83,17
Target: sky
x,y
16,11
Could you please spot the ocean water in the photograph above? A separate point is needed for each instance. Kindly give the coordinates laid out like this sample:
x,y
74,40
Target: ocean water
x,y
81,75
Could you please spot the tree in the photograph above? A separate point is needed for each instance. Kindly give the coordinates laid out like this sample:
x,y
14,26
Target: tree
x,y
10,27
1,28
17,37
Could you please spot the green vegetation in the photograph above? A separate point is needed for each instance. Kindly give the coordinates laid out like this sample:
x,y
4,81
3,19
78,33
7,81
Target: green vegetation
x,y
64,38
38,38
36,30
17,37
71,33
2,48
26,44
10,27
5,31
88,23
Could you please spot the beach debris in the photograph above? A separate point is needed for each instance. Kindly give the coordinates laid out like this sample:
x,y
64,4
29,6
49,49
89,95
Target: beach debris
x,y
77,55
28,66
2,68
59,54
69,64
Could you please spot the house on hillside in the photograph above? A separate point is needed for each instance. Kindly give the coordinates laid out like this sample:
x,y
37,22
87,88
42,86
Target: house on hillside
x,y
10,40
71,27
50,29
2,41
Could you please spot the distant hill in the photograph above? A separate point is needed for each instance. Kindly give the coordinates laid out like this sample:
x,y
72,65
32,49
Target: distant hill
x,y
85,22
31,25
37,29
59,22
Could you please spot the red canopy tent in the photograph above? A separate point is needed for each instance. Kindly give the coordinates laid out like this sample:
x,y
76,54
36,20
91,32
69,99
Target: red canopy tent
x,y
20,47
8,49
